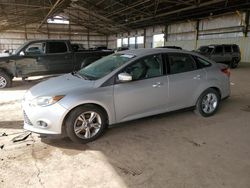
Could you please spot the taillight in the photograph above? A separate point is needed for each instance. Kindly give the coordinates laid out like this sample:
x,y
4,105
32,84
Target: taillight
x,y
226,71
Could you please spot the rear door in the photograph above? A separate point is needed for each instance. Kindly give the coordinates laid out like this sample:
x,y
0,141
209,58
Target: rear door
x,y
228,52
146,94
218,54
60,58
184,79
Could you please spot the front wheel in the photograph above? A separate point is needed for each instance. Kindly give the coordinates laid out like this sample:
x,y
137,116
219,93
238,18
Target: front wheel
x,y
86,123
5,80
208,103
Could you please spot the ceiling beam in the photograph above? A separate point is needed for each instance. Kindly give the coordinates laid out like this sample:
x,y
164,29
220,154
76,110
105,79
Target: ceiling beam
x,y
49,13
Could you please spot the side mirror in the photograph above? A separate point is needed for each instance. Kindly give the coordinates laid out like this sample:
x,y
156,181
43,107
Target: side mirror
x,y
124,77
21,53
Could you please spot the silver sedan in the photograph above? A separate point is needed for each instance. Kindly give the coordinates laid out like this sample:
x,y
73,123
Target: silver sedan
x,y
125,86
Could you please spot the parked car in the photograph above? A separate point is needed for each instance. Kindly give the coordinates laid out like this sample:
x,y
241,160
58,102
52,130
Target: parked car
x,y
225,53
125,86
44,57
5,53
172,47
121,49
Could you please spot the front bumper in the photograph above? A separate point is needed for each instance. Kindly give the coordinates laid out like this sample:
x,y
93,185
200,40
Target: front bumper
x,y
52,115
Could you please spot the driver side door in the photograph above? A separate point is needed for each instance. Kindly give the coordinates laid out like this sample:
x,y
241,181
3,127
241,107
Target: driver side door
x,y
32,60
146,94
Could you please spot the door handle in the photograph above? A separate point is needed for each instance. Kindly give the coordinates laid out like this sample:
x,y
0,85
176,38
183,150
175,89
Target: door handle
x,y
157,84
197,77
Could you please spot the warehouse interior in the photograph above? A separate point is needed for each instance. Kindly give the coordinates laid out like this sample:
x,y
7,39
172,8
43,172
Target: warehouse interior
x,y
176,149
188,24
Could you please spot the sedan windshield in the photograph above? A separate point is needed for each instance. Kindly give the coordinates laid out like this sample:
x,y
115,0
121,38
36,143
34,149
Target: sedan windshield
x,y
104,66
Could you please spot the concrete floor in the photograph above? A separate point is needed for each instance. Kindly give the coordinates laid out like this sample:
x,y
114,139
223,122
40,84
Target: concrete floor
x,y
172,150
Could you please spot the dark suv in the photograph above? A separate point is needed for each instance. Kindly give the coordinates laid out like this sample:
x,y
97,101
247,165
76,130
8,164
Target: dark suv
x,y
223,53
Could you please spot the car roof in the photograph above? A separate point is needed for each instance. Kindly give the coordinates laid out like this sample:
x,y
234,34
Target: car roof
x,y
148,51
220,45
47,40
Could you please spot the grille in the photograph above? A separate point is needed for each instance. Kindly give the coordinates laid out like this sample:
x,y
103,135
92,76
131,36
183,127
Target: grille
x,y
26,119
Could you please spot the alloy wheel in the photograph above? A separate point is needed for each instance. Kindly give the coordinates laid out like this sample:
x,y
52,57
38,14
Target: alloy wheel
x,y
3,82
87,124
209,103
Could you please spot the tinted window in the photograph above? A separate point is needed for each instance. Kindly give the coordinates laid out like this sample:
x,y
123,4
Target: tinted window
x,y
201,63
57,47
179,63
148,67
218,50
236,48
227,49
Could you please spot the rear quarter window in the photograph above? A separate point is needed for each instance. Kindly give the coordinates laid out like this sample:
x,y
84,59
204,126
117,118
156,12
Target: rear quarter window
x,y
236,48
201,63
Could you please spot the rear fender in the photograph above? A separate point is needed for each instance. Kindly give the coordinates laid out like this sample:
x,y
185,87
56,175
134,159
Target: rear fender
x,y
210,84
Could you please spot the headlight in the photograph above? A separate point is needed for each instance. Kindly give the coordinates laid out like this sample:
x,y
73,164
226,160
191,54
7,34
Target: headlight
x,y
46,100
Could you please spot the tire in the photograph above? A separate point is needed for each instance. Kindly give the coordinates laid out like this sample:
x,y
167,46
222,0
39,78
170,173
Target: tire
x,y
207,107
234,63
5,80
81,131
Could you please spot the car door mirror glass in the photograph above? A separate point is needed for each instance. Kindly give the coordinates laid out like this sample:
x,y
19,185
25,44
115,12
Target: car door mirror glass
x,y
124,77
22,53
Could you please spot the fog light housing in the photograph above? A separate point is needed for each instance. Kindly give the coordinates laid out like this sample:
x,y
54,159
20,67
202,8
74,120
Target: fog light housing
x,y
42,124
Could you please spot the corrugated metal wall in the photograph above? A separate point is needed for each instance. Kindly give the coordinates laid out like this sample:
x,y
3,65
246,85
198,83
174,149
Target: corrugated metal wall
x,y
226,29
12,39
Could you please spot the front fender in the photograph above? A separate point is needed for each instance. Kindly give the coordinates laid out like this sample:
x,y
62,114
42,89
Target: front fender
x,y
102,97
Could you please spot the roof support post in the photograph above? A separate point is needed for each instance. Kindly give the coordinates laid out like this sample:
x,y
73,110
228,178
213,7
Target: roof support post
x,y
88,39
246,23
196,33
107,40
165,34
144,38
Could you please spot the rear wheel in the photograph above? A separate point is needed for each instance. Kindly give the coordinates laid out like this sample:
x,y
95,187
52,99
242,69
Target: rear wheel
x,y
234,63
86,123
208,103
5,80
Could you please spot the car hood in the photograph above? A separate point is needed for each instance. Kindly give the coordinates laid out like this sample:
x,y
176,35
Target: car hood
x,y
61,85
4,58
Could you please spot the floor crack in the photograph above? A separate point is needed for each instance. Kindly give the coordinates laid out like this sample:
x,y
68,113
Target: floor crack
x,y
34,156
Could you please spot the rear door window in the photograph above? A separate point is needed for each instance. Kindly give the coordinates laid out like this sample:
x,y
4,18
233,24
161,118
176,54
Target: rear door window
x,y
235,48
179,63
227,49
56,47
218,50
